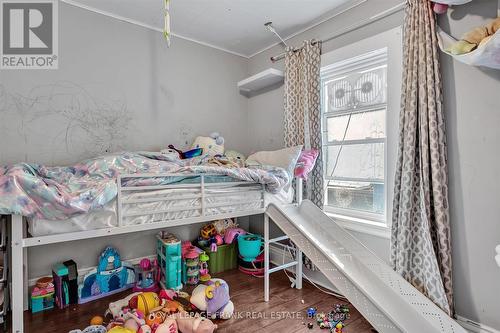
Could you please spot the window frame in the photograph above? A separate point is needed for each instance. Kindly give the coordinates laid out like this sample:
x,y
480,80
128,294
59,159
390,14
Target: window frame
x,y
366,222
368,59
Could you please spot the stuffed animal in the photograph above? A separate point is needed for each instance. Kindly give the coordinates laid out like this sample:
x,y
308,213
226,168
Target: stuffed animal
x,y
475,38
213,298
120,329
91,329
155,318
133,319
114,308
194,324
235,157
212,145
145,302
144,329
168,326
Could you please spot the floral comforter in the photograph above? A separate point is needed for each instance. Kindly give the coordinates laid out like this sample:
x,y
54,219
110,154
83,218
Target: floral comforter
x,y
58,193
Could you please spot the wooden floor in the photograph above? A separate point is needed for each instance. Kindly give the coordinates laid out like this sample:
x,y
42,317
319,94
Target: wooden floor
x,y
285,311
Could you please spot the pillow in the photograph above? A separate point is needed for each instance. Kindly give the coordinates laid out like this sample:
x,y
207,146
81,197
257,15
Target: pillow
x,y
284,158
306,163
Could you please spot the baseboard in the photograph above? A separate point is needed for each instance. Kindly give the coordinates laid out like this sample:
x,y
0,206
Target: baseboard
x,y
83,271
474,327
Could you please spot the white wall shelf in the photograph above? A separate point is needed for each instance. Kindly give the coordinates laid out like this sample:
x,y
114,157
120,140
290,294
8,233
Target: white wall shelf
x,y
259,82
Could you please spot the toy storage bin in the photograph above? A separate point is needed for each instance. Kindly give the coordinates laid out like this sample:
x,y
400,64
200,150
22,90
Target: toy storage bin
x,y
226,258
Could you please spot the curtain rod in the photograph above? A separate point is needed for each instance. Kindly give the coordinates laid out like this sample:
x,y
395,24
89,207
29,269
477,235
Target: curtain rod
x,y
353,27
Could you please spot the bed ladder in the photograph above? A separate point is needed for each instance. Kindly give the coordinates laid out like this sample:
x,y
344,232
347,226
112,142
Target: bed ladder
x,y
296,262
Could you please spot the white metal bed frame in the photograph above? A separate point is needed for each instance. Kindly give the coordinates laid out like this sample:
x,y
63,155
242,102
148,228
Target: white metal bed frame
x,y
20,242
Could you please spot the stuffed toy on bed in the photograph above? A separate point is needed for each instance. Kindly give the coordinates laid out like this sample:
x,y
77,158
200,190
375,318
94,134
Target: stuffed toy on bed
x,y
212,145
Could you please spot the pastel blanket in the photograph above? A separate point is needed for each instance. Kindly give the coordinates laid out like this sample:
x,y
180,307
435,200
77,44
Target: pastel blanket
x,y
58,193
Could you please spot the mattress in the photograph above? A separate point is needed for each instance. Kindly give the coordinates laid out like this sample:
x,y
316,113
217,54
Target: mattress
x,y
175,204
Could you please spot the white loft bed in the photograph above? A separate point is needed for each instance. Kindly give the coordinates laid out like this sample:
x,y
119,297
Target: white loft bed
x,y
212,201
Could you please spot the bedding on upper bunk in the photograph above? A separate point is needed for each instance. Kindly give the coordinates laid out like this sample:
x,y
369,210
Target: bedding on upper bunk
x,y
58,193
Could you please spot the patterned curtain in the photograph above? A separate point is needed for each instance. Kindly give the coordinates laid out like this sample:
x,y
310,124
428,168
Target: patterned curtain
x,y
302,120
420,242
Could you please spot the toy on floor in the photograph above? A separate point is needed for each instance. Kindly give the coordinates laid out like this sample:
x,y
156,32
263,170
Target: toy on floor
x,y
168,326
194,324
96,320
222,225
111,276
169,253
61,285
42,295
208,231
91,329
189,253
213,298
192,267
204,275
147,276
249,246
120,329
145,302
115,308
475,38
331,321
253,268
311,312
232,234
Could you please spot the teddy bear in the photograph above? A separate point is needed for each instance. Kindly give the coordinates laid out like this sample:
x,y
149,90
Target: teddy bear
x,y
212,145
475,38
168,326
213,298
194,324
91,329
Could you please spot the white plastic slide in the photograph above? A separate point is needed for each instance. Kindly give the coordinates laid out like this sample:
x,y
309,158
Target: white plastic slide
x,y
383,297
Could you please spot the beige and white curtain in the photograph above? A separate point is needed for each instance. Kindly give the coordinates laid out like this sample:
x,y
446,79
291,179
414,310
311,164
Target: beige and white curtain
x,y
420,242
302,119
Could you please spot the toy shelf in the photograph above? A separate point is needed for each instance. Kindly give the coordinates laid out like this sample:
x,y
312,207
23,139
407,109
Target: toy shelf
x,y
260,81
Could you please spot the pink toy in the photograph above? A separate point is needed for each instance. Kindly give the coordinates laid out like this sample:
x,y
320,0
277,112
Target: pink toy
x,y
439,8
219,240
147,276
167,294
194,324
232,233
168,326
306,162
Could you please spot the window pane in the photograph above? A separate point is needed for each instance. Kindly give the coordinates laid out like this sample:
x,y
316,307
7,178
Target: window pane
x,y
365,125
364,161
360,196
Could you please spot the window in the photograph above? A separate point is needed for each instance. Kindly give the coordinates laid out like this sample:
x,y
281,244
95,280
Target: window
x,y
354,109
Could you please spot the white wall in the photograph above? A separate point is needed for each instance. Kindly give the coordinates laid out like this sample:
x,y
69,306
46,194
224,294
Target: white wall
x,y
117,87
472,109
472,106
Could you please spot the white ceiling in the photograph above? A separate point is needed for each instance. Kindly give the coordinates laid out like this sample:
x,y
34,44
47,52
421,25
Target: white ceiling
x,y
236,26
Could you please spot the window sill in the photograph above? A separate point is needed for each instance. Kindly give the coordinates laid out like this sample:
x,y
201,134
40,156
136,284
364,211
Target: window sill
x,y
362,225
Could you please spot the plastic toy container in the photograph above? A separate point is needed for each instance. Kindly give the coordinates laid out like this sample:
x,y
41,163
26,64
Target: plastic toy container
x,y
225,259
